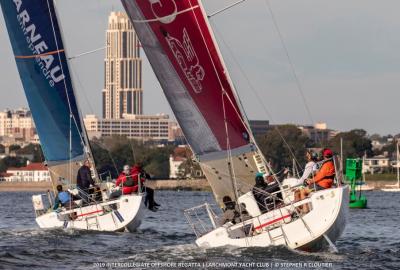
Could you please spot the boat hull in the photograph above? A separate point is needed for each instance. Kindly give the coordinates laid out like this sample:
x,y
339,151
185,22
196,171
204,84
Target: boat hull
x,y
327,217
391,189
125,213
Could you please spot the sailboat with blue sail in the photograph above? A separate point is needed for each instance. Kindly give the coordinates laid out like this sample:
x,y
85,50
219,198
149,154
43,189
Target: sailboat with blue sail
x,y
41,59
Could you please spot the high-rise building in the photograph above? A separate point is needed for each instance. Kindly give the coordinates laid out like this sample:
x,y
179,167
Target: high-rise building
x,y
16,125
122,93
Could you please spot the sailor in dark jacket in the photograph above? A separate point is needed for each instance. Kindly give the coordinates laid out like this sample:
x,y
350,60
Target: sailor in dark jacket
x,y
84,180
273,189
259,192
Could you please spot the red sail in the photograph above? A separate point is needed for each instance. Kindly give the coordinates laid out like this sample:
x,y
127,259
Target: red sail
x,y
181,48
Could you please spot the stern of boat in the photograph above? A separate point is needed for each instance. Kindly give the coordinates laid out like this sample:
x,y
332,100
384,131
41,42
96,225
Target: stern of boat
x,y
327,219
123,213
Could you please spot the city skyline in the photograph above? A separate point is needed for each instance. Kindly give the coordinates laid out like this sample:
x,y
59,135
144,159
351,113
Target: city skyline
x,y
348,71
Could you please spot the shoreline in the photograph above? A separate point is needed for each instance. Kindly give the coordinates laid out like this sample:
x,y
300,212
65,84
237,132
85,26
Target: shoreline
x,y
187,184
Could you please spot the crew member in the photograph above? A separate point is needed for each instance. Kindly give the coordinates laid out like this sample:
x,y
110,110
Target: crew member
x,y
63,198
84,181
138,172
231,214
127,183
323,179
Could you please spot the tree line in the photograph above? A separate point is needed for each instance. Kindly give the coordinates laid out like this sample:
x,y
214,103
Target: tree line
x,y
285,143
279,145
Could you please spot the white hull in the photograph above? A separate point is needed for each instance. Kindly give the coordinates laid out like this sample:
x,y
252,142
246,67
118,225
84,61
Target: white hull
x,y
391,189
117,215
365,187
327,217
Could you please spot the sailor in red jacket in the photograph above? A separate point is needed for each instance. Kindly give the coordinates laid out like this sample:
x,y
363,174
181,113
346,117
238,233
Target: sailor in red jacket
x,y
137,172
126,182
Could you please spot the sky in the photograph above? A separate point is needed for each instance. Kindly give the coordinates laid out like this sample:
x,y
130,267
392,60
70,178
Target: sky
x,y
345,54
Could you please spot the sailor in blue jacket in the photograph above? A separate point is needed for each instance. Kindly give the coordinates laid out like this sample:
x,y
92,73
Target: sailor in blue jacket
x,y
64,198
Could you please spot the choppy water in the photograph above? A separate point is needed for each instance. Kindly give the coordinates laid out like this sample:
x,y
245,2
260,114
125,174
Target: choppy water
x,y
371,241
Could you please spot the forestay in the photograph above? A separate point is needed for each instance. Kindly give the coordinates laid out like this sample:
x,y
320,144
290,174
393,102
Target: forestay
x,y
42,64
182,50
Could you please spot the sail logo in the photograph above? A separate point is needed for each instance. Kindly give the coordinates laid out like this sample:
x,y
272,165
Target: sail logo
x,y
164,10
44,58
187,59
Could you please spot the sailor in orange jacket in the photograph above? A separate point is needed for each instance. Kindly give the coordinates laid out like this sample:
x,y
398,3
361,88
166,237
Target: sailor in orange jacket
x,y
323,179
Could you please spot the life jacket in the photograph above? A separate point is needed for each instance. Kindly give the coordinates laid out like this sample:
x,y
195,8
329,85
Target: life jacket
x,y
325,176
127,182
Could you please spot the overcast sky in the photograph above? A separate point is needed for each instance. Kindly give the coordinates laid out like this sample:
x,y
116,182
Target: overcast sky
x,y
346,54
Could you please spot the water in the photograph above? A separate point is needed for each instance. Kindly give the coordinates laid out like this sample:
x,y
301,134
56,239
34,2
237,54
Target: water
x,y
371,241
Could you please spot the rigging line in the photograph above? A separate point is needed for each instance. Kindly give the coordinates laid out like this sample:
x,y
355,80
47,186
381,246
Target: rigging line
x,y
208,50
81,132
62,70
222,88
82,87
225,8
133,152
38,55
240,116
231,168
166,17
88,52
223,92
229,150
99,143
65,87
292,68
252,88
88,147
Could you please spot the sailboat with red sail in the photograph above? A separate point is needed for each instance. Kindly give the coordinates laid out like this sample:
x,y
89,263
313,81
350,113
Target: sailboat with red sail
x,y
180,45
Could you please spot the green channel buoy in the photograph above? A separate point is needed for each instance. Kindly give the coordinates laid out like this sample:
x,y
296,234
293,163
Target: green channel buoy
x,y
353,175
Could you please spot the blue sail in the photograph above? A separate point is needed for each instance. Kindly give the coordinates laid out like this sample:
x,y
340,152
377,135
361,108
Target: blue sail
x,y
42,64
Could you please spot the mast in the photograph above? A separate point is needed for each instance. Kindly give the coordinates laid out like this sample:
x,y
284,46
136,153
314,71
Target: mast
x,y
183,52
85,139
40,57
397,164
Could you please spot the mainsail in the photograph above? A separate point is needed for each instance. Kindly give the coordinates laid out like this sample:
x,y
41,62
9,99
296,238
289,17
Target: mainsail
x,y
42,64
185,57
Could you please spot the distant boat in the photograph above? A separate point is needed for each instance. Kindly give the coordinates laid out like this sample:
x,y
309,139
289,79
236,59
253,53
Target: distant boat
x,y
366,187
41,59
182,50
395,187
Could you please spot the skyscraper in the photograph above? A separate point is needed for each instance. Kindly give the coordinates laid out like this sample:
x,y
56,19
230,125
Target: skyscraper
x,y
122,93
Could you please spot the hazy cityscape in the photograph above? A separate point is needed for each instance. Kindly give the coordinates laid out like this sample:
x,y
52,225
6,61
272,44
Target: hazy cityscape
x,y
122,115
201,134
